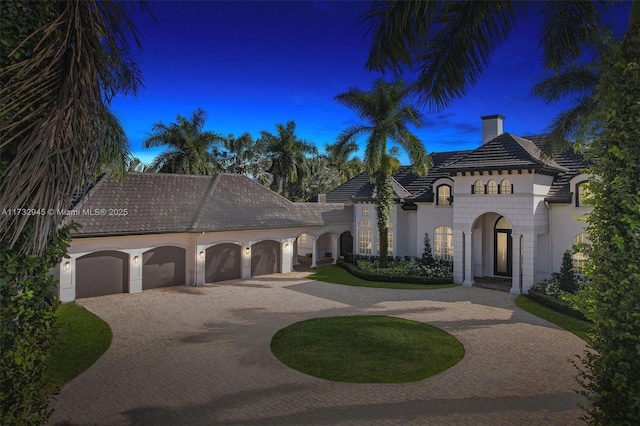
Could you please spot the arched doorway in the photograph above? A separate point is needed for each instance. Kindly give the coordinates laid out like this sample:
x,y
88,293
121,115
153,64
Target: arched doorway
x,y
163,267
223,262
102,273
346,244
266,258
502,258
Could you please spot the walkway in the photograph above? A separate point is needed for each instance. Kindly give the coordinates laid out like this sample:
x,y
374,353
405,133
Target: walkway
x,y
200,356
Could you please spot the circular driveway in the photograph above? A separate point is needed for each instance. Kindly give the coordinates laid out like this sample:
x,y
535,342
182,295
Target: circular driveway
x,y
200,356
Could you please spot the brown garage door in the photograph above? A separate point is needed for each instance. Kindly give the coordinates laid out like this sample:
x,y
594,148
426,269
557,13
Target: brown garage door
x,y
101,273
223,262
265,258
163,267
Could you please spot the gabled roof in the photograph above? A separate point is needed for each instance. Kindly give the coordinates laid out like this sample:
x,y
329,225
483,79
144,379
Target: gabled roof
x,y
165,203
506,152
368,190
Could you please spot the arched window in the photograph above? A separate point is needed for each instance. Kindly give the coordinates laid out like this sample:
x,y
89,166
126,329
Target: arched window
x,y
503,223
478,187
582,192
579,258
492,187
443,243
505,187
444,195
365,223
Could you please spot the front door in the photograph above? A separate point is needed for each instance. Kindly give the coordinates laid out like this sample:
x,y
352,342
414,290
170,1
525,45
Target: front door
x,y
502,258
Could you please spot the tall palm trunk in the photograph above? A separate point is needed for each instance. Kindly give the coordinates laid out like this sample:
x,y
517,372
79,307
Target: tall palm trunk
x,y
384,202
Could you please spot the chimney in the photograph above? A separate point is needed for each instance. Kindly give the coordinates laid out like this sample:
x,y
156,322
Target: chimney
x,y
491,127
322,198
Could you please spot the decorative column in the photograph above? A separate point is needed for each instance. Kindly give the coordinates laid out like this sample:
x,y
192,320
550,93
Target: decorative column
x,y
468,261
314,253
458,256
295,252
67,283
528,261
287,256
334,248
516,266
135,271
201,257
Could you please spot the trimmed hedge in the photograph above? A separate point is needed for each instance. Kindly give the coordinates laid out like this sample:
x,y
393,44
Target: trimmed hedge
x,y
355,271
556,304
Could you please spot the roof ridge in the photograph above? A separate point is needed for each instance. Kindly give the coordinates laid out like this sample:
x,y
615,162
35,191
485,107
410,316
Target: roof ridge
x,y
197,216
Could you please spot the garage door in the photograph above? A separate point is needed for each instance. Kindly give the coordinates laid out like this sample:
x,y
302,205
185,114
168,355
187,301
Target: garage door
x,y
223,262
163,267
265,258
101,273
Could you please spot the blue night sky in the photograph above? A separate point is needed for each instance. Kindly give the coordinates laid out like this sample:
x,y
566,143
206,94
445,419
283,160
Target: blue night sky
x,y
251,65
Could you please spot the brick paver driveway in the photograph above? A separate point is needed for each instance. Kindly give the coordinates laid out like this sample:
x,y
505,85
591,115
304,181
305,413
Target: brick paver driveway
x,y
200,356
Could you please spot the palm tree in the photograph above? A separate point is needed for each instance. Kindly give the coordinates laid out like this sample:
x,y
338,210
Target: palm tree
x,y
287,153
245,156
387,114
319,178
62,63
339,159
189,146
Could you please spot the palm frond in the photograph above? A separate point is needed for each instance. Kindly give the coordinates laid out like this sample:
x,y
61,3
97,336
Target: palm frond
x,y
574,79
567,124
568,28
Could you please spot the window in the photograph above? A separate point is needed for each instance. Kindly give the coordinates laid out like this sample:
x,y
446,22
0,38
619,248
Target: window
x,y
364,241
444,195
443,243
477,188
582,192
365,223
505,187
389,245
579,258
503,223
302,240
365,211
492,187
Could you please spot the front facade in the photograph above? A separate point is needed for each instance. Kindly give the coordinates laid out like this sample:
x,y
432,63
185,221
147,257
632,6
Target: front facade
x,y
501,210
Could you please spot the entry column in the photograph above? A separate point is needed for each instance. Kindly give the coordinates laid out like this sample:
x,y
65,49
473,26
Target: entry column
x,y
468,265
515,264
314,253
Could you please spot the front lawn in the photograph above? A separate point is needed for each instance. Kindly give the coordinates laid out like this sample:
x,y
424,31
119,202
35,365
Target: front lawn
x,y
366,349
571,324
337,275
82,338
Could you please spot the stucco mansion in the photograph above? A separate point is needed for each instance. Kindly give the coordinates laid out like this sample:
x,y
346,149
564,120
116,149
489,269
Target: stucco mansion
x,y
502,209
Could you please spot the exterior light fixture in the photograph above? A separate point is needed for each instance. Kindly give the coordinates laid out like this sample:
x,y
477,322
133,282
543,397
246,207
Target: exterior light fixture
x,y
247,250
202,255
286,245
67,265
136,259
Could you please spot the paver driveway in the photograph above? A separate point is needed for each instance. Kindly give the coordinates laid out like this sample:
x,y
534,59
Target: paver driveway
x,y
200,356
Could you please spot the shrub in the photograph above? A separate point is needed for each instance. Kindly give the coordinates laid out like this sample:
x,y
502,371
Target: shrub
x,y
567,278
427,254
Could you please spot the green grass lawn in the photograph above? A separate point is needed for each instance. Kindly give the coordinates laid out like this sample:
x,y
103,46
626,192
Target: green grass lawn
x,y
366,349
574,325
82,339
336,275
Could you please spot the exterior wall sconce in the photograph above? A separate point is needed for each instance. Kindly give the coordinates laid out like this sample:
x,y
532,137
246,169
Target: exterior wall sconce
x,y
286,245
247,250
136,259
202,255
67,265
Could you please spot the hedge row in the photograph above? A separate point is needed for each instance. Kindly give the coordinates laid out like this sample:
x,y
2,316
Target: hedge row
x,y
355,271
556,304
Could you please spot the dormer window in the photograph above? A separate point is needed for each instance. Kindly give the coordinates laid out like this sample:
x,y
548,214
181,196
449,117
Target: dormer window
x,y
506,187
492,187
582,192
478,187
444,195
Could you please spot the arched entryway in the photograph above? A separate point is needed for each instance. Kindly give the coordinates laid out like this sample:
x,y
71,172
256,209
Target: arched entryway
x,y
266,258
163,267
223,262
346,244
102,273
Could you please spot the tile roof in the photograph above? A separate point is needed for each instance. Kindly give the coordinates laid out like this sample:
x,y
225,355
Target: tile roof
x,y
501,153
164,203
504,152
